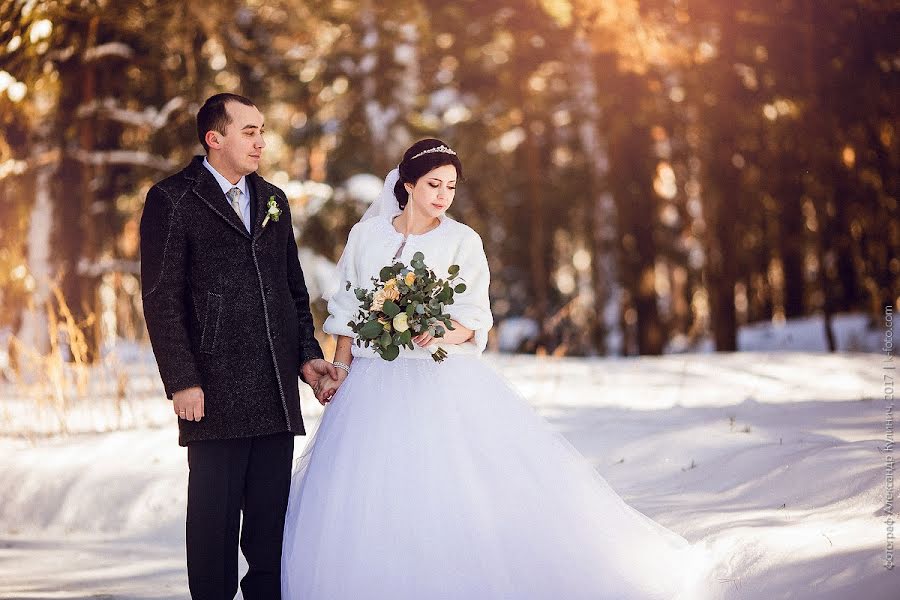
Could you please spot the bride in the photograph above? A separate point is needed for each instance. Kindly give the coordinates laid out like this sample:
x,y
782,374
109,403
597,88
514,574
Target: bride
x,y
436,480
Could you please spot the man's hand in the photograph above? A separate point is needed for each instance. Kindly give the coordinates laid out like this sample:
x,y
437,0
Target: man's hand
x,y
188,404
315,369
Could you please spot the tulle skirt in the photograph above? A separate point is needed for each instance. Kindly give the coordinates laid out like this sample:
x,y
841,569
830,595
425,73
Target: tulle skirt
x,y
433,481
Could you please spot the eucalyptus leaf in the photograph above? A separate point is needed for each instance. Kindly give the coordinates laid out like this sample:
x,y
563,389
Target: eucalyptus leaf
x,y
371,330
390,308
390,353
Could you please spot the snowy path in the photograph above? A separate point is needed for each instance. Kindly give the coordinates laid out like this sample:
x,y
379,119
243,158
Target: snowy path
x,y
786,486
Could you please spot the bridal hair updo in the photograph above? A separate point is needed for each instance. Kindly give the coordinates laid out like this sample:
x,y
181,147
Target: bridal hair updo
x,y
411,169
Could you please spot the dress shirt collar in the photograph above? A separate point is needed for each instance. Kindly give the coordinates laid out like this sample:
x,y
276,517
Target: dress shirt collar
x,y
225,184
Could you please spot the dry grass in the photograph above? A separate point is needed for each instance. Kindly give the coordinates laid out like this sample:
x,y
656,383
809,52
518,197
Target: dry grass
x,y
47,388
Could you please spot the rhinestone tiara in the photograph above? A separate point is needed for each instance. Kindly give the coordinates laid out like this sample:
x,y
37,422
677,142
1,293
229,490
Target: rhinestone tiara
x,y
441,148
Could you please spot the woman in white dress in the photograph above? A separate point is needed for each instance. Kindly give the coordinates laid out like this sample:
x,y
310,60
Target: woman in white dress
x,y
436,480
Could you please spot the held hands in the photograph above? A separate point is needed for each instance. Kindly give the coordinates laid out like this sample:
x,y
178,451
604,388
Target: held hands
x,y
328,387
188,404
317,372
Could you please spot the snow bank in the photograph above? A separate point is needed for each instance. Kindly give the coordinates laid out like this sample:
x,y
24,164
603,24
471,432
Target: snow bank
x,y
772,461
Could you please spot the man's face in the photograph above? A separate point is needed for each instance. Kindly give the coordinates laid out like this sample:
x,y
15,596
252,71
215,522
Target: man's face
x,y
240,146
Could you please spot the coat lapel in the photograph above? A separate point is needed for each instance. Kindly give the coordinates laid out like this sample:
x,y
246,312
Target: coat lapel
x,y
206,188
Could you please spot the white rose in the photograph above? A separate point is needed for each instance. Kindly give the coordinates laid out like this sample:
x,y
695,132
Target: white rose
x,y
401,323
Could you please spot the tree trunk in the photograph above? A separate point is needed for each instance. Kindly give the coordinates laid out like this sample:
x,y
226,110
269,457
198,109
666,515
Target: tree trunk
x,y
74,193
538,250
791,234
724,189
34,331
633,166
850,294
607,293
814,188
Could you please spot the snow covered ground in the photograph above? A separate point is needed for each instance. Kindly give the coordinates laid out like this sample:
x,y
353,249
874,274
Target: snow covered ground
x,y
773,460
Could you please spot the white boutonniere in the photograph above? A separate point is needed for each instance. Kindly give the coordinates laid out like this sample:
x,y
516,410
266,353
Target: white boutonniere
x,y
272,211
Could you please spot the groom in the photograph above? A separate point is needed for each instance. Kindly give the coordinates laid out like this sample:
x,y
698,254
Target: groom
x,y
228,314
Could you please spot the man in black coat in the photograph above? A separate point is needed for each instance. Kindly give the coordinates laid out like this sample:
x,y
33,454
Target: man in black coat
x,y
228,314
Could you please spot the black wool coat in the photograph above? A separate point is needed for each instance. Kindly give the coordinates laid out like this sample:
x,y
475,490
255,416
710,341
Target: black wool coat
x,y
226,310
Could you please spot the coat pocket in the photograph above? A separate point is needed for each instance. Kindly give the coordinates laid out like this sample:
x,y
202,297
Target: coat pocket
x,y
211,322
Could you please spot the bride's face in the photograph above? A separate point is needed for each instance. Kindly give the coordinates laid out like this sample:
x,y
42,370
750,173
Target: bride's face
x,y
433,193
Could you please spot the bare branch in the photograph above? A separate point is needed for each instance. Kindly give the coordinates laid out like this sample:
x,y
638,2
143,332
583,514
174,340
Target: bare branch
x,y
110,49
137,158
149,117
14,167
107,265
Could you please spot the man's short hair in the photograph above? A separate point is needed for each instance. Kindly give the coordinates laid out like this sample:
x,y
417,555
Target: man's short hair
x,y
212,116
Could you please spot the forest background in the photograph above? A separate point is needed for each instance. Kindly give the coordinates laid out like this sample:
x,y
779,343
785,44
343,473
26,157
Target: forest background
x,y
647,176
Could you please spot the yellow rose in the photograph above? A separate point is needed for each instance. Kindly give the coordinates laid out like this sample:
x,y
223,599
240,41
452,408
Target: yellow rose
x,y
401,323
410,278
391,293
390,283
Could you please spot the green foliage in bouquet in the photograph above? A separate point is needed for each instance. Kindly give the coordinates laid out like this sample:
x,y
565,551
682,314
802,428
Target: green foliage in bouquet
x,y
404,302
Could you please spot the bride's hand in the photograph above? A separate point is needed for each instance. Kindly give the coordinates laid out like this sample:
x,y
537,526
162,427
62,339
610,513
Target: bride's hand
x,y
423,339
458,335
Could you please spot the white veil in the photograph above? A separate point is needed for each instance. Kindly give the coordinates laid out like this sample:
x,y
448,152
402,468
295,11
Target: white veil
x,y
385,204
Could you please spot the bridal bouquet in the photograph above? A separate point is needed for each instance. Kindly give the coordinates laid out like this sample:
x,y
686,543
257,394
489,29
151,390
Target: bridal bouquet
x,y
404,302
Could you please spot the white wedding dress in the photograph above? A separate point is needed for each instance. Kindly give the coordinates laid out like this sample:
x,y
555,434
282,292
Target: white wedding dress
x,y
437,481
